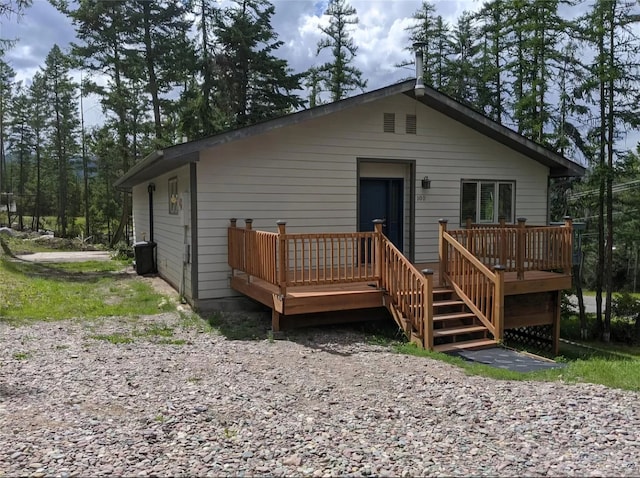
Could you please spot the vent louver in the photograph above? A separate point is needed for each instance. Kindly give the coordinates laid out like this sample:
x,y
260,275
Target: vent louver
x,y
389,122
411,125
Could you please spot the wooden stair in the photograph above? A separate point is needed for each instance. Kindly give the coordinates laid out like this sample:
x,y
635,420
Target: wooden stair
x,y
455,327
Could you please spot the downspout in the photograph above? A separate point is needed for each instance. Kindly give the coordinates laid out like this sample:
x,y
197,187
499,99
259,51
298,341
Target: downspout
x,y
150,188
154,251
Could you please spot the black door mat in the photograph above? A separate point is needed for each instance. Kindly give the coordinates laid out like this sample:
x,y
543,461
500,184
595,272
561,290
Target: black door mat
x,y
507,359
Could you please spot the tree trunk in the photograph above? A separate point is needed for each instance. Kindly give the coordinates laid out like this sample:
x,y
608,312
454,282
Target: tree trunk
x,y
153,81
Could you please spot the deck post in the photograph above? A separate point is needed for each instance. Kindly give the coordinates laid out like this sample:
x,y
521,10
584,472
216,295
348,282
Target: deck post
x,y
502,245
443,249
377,244
231,248
567,262
248,263
520,247
470,235
557,299
427,323
282,257
498,303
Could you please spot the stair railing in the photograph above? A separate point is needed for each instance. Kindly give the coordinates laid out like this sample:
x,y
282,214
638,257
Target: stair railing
x,y
475,284
409,290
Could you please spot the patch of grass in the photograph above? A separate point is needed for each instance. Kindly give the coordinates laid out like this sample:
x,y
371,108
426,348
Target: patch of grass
x,y
21,355
31,291
160,330
607,369
194,379
172,342
115,338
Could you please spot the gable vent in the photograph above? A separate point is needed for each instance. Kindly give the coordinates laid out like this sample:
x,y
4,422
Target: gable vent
x,y
389,122
411,125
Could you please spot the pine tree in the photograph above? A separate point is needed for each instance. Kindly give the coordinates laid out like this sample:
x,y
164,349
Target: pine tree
x,y
462,83
39,113
20,145
433,33
7,76
252,84
162,50
339,76
63,144
103,31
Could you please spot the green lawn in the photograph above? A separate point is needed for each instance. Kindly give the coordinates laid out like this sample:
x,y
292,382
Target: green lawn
x,y
582,365
31,291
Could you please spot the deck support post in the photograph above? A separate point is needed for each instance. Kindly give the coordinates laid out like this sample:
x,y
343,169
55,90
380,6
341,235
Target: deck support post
x,y
520,247
248,249
282,257
443,250
498,303
568,247
232,224
275,320
427,323
556,323
377,228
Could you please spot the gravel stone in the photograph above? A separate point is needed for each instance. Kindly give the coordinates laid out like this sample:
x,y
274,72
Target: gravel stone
x,y
322,403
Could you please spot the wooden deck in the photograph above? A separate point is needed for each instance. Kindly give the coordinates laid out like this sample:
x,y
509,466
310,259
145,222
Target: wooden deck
x,y
364,295
513,280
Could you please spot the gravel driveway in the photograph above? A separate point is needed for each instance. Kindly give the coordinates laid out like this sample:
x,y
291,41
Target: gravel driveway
x,y
74,405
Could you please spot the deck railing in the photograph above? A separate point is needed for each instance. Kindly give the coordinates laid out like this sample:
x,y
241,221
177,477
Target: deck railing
x,y
292,260
480,288
410,291
519,248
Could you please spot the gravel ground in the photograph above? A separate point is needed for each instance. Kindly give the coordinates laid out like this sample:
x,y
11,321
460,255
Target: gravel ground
x,y
72,405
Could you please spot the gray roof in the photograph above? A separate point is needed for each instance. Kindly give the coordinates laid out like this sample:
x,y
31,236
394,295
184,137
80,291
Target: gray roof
x,y
168,159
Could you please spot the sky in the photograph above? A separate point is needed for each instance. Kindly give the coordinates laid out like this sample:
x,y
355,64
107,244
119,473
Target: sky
x,y
381,37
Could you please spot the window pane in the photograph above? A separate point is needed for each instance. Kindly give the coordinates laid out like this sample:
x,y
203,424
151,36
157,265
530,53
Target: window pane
x,y
487,203
468,206
505,201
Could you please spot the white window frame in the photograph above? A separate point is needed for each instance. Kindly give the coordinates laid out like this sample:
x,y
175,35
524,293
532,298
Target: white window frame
x,y
496,206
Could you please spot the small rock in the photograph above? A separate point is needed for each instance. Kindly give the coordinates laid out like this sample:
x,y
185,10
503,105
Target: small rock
x,y
293,460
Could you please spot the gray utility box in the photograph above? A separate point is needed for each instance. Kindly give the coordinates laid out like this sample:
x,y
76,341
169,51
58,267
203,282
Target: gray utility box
x,y
145,257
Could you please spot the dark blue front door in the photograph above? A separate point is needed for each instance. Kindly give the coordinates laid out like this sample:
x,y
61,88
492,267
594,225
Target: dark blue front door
x,y
382,199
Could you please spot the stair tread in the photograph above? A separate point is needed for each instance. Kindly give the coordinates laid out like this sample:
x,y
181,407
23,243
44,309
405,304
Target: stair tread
x,y
465,329
466,345
444,303
455,315
443,291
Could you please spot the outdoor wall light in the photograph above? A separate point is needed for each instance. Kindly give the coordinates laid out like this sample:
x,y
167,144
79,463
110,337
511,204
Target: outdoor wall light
x,y
426,183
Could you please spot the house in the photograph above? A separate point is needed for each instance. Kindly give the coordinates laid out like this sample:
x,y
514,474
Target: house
x,y
408,154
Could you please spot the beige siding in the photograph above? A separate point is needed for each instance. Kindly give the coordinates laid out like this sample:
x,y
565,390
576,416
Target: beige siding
x,y
169,233
306,174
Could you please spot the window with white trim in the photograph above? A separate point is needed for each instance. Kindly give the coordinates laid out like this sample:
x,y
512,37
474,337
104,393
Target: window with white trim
x,y
485,201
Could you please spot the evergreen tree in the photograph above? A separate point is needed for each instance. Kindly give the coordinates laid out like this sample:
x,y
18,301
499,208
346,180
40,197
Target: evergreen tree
x,y
162,50
433,34
62,142
20,145
338,75
39,113
252,84
7,76
462,83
